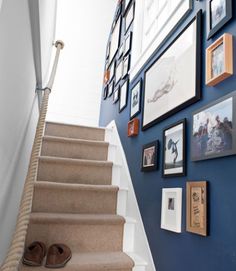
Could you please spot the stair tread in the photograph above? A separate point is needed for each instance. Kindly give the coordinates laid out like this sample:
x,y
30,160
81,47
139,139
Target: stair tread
x,y
67,218
75,125
95,261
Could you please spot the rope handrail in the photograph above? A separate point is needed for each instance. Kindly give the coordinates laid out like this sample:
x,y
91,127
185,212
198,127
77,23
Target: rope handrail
x,y
16,250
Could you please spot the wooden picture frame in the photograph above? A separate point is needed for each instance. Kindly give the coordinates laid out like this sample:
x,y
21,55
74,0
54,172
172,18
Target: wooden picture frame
x,y
217,16
150,159
106,77
174,150
123,95
133,127
166,93
135,99
171,209
219,60
196,207
116,95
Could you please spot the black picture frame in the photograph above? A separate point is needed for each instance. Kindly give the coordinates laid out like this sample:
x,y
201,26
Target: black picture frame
x,y
110,89
123,95
119,71
213,133
126,66
112,69
153,149
105,92
117,27
128,43
126,5
138,87
116,95
130,8
212,30
198,76
172,134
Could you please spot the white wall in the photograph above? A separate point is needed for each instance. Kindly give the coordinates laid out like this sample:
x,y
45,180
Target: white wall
x,y
84,27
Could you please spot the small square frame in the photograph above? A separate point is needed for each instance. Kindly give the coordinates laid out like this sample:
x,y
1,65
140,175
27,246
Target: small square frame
x,y
133,127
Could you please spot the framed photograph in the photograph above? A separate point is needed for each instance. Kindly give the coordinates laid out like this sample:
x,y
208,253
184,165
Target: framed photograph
x,y
123,95
197,207
116,95
149,156
128,43
133,127
126,66
219,12
171,209
112,70
173,82
129,17
174,163
115,39
214,129
110,89
119,71
135,101
219,60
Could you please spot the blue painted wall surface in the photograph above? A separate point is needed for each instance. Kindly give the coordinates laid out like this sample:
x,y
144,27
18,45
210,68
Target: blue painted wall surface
x,y
185,251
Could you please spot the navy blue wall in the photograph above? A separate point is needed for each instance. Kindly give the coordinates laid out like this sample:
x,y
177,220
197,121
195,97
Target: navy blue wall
x,y
184,251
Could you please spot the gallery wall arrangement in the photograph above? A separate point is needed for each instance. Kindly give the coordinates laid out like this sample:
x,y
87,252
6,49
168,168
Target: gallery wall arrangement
x,y
177,123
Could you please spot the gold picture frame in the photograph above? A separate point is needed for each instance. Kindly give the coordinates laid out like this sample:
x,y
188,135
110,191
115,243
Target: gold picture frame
x,y
197,207
219,60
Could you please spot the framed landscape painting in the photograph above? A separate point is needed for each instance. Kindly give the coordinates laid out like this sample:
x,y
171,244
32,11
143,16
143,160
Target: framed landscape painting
x,y
174,79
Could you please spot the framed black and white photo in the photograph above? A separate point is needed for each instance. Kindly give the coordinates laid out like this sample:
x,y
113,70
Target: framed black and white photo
x,y
173,81
112,70
150,156
213,131
119,71
110,89
174,163
129,17
126,65
171,209
116,95
115,39
135,101
123,95
219,12
128,43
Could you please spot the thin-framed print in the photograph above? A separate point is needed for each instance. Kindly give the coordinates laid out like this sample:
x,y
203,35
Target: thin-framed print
x,y
112,70
219,60
135,101
123,95
150,153
119,71
115,39
174,163
214,129
110,89
171,209
121,51
128,43
116,95
173,82
197,207
105,92
126,65
219,12
129,17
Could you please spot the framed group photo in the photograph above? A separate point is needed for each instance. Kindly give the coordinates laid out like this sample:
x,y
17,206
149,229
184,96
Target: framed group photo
x,y
150,156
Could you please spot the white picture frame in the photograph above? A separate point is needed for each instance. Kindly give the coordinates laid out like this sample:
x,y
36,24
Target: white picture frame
x,y
171,209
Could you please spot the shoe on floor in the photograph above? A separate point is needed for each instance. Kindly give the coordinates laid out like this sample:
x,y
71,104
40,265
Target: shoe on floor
x,y
34,254
58,255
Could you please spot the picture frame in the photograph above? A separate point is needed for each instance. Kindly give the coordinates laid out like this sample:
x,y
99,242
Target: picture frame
x,y
123,95
135,100
119,72
127,3
110,89
126,65
115,38
106,77
167,93
128,43
213,132
129,17
116,95
171,209
150,154
121,51
219,12
108,50
174,151
105,92
133,127
196,218
112,70
219,60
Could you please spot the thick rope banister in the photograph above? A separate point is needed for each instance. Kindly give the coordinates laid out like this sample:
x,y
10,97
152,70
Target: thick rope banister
x,y
16,250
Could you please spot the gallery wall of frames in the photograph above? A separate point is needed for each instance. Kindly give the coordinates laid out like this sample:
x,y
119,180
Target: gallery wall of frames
x,y
177,123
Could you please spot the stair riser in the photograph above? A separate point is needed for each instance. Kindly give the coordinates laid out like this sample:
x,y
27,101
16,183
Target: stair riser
x,y
80,238
74,173
78,132
75,150
74,201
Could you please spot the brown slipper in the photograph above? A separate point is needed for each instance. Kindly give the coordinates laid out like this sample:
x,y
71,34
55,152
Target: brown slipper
x,y
58,255
34,254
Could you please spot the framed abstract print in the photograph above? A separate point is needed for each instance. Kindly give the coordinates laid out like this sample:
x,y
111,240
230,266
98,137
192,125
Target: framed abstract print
x,y
150,156
173,82
174,163
219,12
135,101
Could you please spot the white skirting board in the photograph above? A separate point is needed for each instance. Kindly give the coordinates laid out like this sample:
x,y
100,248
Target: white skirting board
x,y
135,240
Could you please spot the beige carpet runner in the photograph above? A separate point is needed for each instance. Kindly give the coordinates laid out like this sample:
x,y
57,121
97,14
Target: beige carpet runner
x,y
74,202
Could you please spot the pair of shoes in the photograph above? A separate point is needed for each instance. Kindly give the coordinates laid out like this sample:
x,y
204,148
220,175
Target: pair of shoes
x,y
58,255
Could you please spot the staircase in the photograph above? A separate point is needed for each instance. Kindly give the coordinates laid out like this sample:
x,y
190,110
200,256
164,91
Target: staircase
x,y
75,202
